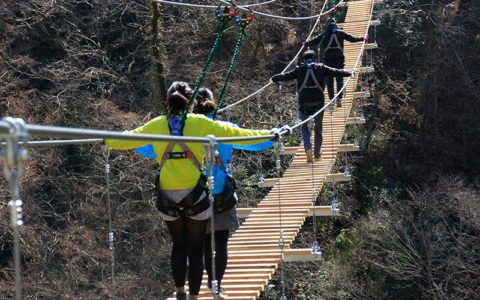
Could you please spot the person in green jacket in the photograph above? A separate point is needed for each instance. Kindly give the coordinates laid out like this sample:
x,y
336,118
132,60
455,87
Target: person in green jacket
x,y
182,196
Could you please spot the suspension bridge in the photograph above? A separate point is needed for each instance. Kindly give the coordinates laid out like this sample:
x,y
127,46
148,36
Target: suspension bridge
x,y
262,244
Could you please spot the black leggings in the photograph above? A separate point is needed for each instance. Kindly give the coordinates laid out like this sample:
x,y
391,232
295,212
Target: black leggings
x,y
188,236
221,255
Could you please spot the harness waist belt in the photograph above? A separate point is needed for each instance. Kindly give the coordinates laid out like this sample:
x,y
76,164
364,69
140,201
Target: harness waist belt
x,y
187,206
197,191
225,200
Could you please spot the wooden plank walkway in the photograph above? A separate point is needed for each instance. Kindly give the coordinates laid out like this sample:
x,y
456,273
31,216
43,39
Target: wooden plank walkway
x,y
254,250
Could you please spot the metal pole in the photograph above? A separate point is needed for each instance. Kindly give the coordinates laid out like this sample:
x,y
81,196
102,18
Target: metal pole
x,y
13,157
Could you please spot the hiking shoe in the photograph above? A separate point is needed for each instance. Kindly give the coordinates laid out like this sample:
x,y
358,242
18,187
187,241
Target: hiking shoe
x,y
309,156
339,103
319,155
181,296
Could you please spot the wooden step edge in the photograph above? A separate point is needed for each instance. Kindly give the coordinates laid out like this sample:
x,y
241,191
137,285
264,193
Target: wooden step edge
x,y
305,254
324,211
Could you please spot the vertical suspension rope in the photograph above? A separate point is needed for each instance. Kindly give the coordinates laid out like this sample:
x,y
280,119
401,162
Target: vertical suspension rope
x,y
210,162
278,163
111,233
315,246
334,190
345,135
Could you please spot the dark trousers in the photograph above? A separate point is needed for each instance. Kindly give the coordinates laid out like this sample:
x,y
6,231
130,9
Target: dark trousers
x,y
221,255
187,236
337,63
318,139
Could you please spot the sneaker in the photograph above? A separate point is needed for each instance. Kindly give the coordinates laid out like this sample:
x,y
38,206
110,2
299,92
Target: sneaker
x,y
309,156
181,296
223,294
339,103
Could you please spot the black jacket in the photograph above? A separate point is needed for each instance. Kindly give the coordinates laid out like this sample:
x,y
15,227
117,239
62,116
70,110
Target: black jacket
x,y
341,37
309,97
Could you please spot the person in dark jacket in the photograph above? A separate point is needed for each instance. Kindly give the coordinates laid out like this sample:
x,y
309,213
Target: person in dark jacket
x,y
310,78
331,41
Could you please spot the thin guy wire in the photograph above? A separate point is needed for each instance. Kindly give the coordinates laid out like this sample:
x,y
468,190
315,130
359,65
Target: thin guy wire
x,y
246,7
285,18
210,6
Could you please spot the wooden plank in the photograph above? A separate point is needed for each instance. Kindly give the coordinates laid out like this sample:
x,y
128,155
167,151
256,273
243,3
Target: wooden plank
x,y
361,95
268,182
347,148
355,120
338,177
370,46
323,211
368,69
301,255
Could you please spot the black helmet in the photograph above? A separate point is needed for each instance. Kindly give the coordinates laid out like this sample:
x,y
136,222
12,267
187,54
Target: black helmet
x,y
309,54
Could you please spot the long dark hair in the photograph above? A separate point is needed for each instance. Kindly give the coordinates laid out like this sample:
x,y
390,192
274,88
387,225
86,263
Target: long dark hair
x,y
205,102
176,103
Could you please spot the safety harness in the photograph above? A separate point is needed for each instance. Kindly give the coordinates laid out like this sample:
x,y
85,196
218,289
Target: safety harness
x,y
309,64
190,205
225,200
333,38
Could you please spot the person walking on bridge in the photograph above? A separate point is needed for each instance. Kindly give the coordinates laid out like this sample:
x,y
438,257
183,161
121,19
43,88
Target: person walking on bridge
x,y
332,41
310,78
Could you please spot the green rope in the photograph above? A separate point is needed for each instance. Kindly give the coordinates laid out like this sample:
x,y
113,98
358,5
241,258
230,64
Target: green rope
x,y
236,51
201,78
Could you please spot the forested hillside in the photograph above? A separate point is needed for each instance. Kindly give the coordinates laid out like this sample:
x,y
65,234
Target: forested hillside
x,y
410,226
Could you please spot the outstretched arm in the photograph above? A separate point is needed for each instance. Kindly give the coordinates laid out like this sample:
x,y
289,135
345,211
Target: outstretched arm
x,y
351,38
285,76
151,127
336,72
315,40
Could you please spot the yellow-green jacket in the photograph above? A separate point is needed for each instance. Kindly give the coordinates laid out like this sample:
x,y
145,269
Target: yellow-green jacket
x,y
179,174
